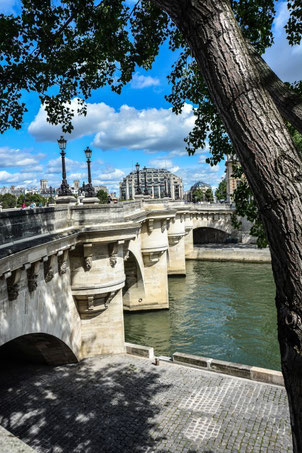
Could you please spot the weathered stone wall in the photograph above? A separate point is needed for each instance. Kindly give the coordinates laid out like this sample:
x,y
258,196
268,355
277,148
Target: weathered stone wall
x,y
39,305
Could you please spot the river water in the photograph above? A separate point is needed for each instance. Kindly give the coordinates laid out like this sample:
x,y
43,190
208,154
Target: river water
x,y
221,310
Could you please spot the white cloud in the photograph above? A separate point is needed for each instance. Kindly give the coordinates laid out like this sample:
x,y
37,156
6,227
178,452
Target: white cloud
x,y
282,17
55,165
14,157
22,178
98,115
148,129
140,81
110,174
161,163
285,60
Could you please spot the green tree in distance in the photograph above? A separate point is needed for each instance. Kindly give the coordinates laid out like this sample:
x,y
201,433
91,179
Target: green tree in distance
x,y
208,196
31,198
198,195
221,191
8,201
102,196
79,46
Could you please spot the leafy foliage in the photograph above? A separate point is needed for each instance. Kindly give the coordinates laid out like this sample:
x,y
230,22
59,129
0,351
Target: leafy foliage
x,y
102,196
8,201
62,50
209,195
221,191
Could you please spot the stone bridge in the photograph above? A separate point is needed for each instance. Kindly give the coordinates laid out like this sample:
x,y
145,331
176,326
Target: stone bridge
x,y
68,272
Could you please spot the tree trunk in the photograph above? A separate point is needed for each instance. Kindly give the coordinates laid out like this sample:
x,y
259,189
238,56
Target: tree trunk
x,y
269,159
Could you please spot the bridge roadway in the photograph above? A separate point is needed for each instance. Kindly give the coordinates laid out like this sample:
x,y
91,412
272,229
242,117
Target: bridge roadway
x,y
126,404
68,272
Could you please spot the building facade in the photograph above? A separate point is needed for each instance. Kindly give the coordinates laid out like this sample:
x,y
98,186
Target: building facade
x,y
153,182
203,186
231,182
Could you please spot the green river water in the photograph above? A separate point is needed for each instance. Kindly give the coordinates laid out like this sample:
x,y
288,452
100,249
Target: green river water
x,y
221,310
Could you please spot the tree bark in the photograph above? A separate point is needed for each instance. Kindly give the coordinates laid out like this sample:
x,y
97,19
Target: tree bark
x,y
269,159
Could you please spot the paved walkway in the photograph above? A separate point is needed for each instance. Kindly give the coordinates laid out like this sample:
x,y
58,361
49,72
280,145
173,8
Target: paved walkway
x,y
126,404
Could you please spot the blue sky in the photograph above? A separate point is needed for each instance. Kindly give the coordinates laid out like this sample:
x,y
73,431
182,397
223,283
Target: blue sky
x,y
136,126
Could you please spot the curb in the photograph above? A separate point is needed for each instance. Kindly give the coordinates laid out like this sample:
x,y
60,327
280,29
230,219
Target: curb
x,y
141,351
233,369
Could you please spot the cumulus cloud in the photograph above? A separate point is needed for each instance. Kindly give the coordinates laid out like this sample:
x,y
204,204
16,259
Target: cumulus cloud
x,y
161,162
14,157
148,129
110,174
55,165
98,115
140,81
21,178
284,59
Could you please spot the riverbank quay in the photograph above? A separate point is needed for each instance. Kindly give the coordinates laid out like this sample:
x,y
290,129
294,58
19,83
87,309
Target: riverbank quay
x,y
124,403
230,252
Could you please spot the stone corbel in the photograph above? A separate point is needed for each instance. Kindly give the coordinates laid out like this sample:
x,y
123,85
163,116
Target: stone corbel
x,y
49,271
151,258
150,225
113,251
32,270
126,251
95,304
87,251
90,303
109,298
12,281
173,219
173,240
62,261
181,218
163,225
188,229
168,222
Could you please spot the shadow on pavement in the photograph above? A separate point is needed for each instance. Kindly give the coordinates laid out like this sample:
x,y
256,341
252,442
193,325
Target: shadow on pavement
x,y
81,407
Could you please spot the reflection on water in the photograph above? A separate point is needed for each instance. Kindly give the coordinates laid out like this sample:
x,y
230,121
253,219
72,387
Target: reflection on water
x,y
220,310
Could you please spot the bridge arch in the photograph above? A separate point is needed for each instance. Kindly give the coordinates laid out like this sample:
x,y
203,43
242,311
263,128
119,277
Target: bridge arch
x,y
38,348
134,289
209,235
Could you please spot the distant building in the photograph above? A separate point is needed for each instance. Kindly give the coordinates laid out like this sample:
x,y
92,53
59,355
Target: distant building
x,y
12,190
76,184
104,188
203,186
43,184
45,190
231,182
155,182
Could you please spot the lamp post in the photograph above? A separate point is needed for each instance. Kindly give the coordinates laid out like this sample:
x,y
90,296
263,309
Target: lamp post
x,y
146,188
64,189
89,189
138,190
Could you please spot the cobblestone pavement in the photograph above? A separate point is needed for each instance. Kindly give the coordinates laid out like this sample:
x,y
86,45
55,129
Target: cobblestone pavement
x,y
127,404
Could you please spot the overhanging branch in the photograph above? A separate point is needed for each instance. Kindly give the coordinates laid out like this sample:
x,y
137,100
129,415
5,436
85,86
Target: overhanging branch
x,y
287,102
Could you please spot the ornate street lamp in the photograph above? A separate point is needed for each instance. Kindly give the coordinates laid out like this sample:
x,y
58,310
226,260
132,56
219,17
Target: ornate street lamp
x,y
64,189
89,189
138,190
146,188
